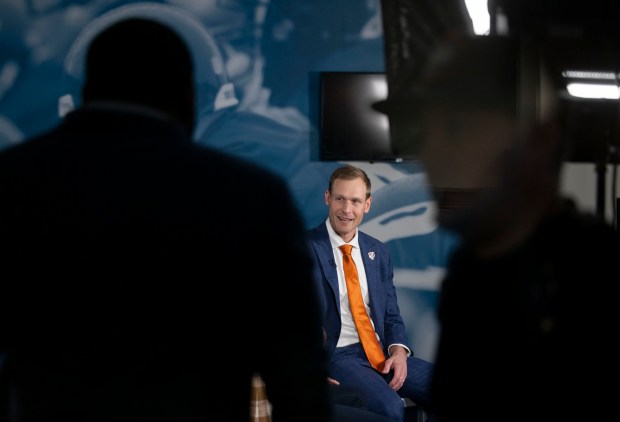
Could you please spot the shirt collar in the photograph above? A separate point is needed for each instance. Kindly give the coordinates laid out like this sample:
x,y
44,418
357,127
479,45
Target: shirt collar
x,y
337,241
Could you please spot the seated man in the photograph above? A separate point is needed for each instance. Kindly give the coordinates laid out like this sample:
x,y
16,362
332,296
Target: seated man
x,y
394,373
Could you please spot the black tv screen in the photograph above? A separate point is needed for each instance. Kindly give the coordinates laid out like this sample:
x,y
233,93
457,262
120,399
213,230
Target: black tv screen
x,y
350,129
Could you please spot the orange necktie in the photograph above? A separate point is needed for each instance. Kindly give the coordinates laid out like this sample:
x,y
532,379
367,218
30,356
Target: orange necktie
x,y
367,334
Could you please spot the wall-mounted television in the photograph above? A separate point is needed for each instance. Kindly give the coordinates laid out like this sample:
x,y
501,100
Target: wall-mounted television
x,y
350,129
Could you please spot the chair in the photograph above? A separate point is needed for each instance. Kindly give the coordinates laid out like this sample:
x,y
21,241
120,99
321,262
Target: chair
x,y
260,408
413,412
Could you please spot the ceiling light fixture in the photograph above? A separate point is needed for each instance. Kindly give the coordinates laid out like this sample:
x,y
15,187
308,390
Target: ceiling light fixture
x,y
479,14
593,90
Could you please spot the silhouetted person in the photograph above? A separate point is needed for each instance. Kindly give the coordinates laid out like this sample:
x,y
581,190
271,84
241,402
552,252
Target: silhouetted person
x,y
142,273
527,316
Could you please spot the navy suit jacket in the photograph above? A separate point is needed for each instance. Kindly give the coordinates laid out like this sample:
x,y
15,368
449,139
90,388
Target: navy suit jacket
x,y
385,312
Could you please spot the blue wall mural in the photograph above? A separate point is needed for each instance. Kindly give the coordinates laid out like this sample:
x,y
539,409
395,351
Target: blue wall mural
x,y
255,61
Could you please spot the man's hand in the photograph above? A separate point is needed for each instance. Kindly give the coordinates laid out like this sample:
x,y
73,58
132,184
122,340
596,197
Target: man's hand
x,y
397,362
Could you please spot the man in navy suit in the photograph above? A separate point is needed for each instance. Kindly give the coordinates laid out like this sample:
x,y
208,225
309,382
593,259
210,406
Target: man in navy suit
x,y
140,279
348,198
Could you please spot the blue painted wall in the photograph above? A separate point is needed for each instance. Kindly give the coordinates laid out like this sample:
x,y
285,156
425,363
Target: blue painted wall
x,y
261,56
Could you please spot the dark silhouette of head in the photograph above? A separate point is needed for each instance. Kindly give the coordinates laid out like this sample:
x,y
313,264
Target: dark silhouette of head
x,y
142,62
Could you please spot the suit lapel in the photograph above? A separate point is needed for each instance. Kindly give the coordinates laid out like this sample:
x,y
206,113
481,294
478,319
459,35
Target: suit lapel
x,y
371,266
325,255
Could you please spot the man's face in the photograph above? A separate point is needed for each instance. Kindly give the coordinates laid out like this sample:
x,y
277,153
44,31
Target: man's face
x,y
347,204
